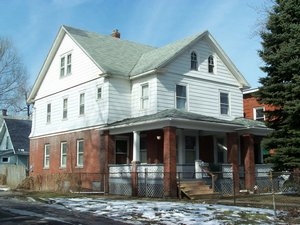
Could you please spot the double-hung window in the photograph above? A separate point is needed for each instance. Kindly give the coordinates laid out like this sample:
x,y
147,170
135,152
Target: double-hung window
x,y
194,61
65,108
63,154
81,104
211,64
80,152
48,112
181,99
224,103
258,113
144,96
65,65
99,93
46,155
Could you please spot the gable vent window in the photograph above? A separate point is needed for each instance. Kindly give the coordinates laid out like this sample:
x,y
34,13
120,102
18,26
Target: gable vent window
x,y
194,62
211,64
65,65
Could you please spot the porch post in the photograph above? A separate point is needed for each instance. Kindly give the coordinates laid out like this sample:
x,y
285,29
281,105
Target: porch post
x,y
233,158
170,183
136,146
135,162
249,161
107,155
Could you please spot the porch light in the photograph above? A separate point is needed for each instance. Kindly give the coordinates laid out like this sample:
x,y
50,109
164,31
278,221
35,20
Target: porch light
x,y
158,137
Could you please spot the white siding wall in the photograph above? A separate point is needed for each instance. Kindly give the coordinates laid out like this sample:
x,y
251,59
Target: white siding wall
x,y
203,88
136,93
84,79
119,99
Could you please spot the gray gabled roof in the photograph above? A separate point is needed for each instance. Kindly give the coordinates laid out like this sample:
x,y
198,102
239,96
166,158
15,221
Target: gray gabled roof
x,y
114,55
19,131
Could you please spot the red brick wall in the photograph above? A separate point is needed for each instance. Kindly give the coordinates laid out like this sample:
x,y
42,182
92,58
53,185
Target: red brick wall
x,y
91,155
251,102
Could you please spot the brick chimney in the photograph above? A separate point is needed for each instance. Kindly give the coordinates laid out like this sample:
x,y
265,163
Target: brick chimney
x,y
115,33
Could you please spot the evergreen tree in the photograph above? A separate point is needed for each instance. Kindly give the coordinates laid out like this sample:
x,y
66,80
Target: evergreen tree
x,y
281,86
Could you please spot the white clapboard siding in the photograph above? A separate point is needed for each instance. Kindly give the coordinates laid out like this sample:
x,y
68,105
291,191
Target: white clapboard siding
x,y
136,93
83,70
96,110
203,88
119,99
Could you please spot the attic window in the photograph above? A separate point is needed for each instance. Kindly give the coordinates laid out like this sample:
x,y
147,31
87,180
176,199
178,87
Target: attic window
x,y
194,62
65,65
211,64
4,159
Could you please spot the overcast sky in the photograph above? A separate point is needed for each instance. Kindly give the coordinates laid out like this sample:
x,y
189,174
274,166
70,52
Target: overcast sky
x,y
33,25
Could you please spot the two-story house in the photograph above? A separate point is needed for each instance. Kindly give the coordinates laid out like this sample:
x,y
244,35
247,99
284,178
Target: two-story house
x,y
105,107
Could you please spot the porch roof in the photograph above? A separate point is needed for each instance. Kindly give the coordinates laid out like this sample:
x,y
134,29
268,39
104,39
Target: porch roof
x,y
186,120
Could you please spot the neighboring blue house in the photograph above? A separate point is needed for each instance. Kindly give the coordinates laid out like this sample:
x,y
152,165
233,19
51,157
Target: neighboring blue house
x,y
14,141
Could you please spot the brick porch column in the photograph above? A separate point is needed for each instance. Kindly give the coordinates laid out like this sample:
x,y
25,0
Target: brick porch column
x,y
135,162
107,156
170,182
233,158
249,161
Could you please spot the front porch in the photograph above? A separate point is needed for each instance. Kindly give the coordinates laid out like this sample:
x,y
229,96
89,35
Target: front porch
x,y
161,149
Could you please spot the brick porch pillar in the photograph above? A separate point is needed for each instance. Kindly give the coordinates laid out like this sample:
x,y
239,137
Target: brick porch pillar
x,y
249,161
170,182
107,156
233,158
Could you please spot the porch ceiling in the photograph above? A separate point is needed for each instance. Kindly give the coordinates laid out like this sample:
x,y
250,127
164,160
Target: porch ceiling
x,y
183,120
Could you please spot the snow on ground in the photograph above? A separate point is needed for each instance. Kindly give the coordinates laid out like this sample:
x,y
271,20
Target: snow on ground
x,y
167,213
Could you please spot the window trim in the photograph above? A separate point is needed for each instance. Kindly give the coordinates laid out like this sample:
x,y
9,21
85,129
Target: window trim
x,y
65,64
81,153
48,117
4,161
255,113
211,64
63,154
65,108
81,104
46,156
177,97
194,61
144,98
226,104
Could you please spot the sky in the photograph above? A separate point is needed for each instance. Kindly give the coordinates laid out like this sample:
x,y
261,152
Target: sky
x,y
32,25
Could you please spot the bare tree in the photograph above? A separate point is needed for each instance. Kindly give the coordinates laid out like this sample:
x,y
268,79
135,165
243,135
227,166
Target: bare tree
x,y
13,79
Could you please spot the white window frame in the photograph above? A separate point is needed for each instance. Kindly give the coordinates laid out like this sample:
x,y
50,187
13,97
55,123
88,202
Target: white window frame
x,y
65,65
255,113
222,104
211,64
48,120
65,108
4,161
99,93
47,156
194,61
63,154
81,103
80,153
179,98
144,96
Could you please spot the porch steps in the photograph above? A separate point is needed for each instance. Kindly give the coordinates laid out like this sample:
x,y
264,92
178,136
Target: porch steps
x,y
196,189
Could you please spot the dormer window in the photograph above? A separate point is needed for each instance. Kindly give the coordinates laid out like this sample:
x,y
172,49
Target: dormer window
x,y
194,62
211,64
65,65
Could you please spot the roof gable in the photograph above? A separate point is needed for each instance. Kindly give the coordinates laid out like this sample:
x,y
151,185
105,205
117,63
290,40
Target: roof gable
x,y
19,131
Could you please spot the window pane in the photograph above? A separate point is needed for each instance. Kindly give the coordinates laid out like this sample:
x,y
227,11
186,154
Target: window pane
x,y
99,93
194,63
224,103
47,156
81,107
48,113
210,64
145,96
180,97
65,108
181,90
80,153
